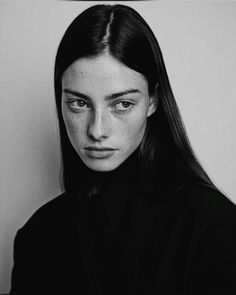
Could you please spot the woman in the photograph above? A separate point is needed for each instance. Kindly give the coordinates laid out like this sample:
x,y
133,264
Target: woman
x,y
139,215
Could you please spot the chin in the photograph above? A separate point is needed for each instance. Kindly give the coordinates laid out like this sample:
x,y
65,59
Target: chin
x,y
101,165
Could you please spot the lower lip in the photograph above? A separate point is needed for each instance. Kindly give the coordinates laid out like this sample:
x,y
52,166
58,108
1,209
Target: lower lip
x,y
95,154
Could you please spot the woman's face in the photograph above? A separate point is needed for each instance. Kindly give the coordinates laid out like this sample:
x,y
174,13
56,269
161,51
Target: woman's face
x,y
105,106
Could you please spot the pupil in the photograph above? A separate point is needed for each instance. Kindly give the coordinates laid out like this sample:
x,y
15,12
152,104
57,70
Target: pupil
x,y
80,103
125,104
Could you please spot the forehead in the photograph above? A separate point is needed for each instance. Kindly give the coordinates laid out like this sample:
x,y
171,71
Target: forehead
x,y
102,72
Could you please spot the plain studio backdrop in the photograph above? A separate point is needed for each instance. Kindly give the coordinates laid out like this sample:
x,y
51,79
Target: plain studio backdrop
x,y
198,41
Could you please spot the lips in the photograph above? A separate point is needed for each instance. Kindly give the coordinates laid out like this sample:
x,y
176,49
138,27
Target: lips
x,y
99,152
92,148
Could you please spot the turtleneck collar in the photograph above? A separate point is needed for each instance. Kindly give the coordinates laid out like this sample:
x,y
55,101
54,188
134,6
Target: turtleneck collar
x,y
125,174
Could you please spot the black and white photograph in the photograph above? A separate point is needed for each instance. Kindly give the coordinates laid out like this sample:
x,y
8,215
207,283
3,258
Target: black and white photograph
x,y
118,147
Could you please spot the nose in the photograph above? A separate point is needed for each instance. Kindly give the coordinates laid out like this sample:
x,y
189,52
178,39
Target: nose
x,y
98,126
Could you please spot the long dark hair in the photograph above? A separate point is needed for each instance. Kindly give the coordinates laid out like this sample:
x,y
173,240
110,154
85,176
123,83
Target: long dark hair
x,y
165,150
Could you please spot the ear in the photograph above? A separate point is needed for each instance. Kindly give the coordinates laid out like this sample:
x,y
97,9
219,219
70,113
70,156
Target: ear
x,y
153,102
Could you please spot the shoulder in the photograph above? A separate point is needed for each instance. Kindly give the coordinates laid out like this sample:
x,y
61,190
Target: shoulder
x,y
204,198
200,204
53,214
45,237
46,230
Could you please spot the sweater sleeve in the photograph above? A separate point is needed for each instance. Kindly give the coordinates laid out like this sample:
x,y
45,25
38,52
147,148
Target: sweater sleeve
x,y
213,270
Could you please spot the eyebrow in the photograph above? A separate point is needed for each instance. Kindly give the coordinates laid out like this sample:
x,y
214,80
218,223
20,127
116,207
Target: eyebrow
x,y
108,97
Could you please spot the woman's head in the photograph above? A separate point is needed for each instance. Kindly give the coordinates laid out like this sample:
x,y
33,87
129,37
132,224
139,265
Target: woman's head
x,y
105,106
107,50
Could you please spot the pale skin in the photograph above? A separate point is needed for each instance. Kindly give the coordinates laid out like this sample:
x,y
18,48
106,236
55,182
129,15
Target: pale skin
x,y
105,104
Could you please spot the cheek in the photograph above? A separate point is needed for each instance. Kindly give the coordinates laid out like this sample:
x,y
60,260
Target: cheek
x,y
75,128
133,129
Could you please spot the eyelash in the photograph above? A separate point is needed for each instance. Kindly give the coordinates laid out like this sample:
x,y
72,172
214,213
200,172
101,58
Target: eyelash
x,y
77,109
70,103
130,105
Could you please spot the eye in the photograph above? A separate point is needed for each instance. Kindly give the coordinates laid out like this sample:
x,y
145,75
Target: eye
x,y
123,105
77,104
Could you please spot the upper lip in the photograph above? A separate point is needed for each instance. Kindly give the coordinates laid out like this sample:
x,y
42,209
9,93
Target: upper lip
x,y
95,148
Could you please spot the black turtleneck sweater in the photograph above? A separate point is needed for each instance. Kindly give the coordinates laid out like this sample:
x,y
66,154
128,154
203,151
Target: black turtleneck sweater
x,y
180,239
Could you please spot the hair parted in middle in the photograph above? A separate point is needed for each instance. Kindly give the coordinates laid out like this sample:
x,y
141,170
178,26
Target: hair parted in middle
x,y
165,150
